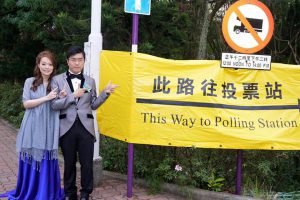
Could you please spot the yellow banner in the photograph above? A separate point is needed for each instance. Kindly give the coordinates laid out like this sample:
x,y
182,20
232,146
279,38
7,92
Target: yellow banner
x,y
196,103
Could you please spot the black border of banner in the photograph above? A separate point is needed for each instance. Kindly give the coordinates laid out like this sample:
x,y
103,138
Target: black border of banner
x,y
217,105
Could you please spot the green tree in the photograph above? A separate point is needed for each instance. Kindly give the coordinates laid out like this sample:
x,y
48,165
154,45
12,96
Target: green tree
x,y
33,25
284,46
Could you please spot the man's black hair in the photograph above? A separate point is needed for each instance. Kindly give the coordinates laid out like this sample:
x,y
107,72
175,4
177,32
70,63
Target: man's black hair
x,y
75,50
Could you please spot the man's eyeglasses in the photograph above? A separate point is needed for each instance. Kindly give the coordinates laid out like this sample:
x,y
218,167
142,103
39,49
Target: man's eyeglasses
x,y
74,60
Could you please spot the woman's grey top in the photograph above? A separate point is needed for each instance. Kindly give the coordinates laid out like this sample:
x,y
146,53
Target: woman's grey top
x,y
39,131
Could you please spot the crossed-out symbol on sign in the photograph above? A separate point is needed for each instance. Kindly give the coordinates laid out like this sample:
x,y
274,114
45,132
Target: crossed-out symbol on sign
x,y
248,25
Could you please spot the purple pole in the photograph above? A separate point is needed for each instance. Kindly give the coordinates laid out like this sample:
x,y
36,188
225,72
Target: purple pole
x,y
130,170
135,28
239,160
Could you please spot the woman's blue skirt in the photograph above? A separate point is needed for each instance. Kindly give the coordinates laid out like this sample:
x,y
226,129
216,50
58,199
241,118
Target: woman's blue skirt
x,y
37,181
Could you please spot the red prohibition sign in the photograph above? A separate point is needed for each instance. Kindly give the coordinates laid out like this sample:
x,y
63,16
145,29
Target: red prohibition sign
x,y
259,41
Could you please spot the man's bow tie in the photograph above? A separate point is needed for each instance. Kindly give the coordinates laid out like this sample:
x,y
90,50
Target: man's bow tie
x,y
79,76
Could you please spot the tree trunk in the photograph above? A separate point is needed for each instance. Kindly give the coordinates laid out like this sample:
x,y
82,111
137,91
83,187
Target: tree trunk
x,y
203,35
210,9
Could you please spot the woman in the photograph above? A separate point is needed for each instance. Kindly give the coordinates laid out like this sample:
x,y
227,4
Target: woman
x,y
37,141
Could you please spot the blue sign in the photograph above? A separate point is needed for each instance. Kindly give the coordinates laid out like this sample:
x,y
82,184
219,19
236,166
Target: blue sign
x,y
141,7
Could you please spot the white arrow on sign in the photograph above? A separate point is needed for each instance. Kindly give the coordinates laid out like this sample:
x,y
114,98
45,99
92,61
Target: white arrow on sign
x,y
138,4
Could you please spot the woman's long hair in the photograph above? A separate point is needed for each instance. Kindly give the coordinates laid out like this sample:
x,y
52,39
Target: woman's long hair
x,y
37,72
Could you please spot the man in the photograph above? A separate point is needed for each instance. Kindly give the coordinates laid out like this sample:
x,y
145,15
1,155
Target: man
x,y
76,101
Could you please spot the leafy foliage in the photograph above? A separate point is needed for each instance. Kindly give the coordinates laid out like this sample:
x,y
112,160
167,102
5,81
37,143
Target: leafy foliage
x,y
11,103
213,169
215,184
172,31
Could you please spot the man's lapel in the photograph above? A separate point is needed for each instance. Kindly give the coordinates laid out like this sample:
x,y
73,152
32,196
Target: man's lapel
x,y
82,82
67,78
81,86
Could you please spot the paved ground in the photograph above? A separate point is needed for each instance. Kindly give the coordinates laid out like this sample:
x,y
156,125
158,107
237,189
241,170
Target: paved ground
x,y
111,189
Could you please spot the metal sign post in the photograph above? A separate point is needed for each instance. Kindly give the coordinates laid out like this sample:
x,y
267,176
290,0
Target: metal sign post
x,y
247,27
135,29
92,49
135,7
